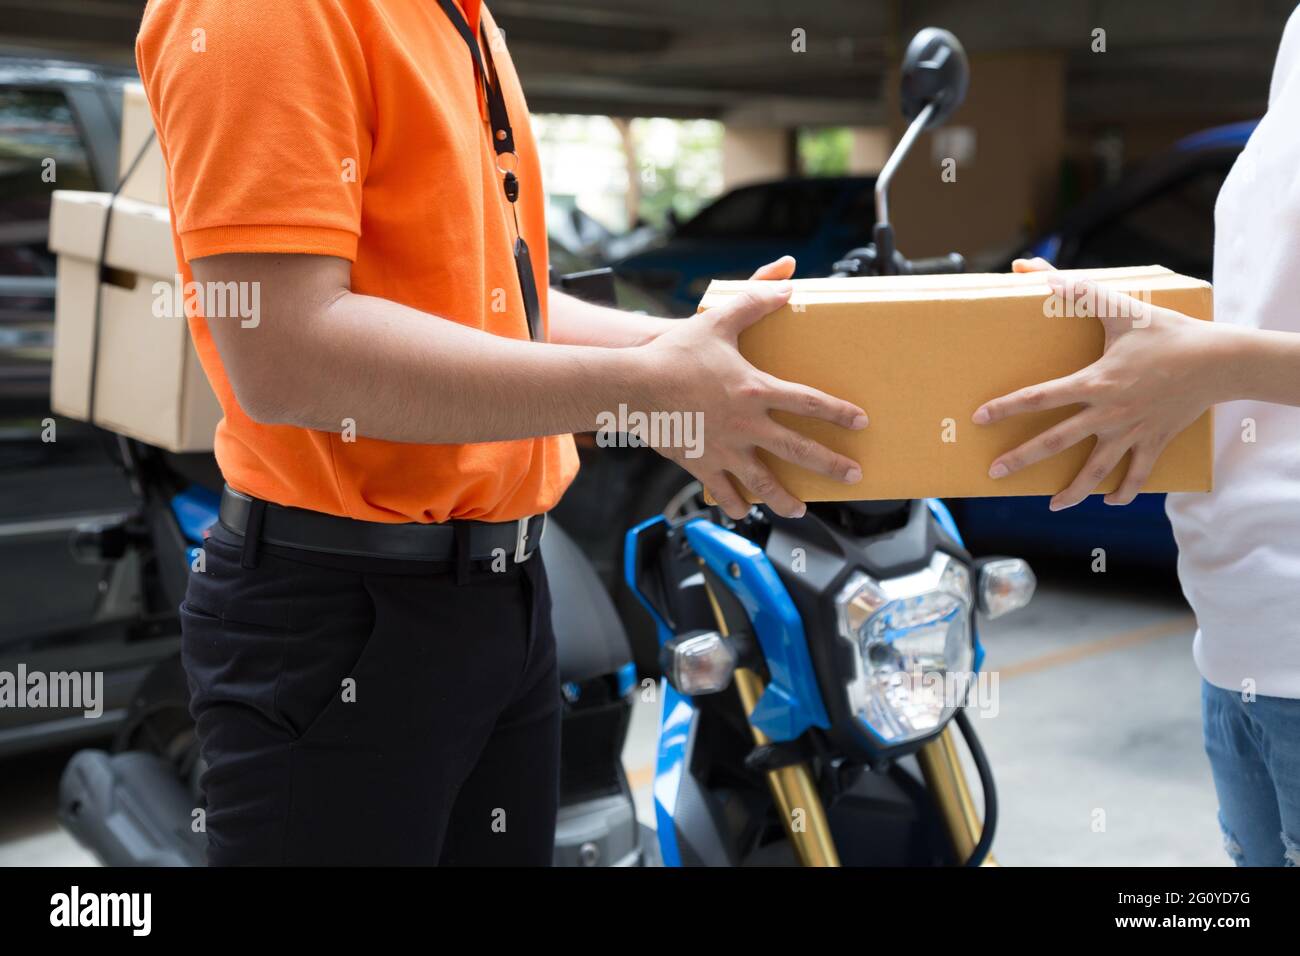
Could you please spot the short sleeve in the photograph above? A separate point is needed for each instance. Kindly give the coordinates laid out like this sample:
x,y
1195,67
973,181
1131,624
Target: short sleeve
x,y
264,115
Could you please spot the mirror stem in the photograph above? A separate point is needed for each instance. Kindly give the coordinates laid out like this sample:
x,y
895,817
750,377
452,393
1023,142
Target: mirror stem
x,y
896,159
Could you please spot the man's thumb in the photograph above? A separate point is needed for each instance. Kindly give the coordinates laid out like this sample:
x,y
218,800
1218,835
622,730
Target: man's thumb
x,y
758,299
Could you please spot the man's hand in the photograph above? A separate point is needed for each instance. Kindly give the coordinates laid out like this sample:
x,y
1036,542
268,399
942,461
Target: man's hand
x,y
782,268
701,370
1155,377
572,321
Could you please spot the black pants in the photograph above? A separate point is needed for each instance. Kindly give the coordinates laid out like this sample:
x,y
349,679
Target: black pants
x,y
372,712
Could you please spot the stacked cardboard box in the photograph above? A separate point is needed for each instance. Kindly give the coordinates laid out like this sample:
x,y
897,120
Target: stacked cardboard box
x,y
123,357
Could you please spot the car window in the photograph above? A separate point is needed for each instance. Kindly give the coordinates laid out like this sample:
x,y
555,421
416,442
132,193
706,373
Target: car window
x,y
40,151
1173,227
792,210
859,213
736,214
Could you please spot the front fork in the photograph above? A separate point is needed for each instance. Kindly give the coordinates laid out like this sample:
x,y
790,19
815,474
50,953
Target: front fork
x,y
946,780
800,805
794,791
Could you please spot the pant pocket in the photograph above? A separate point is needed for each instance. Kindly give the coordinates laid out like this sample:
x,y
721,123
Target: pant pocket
x,y
278,639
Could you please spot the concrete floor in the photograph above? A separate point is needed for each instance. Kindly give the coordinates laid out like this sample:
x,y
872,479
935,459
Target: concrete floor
x,y
1098,711
1099,714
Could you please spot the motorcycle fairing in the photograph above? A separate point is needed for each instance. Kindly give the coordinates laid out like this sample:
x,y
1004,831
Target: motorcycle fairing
x,y
195,509
676,715
792,702
676,712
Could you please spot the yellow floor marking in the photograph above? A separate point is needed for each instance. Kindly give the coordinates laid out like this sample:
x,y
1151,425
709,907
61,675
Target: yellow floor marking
x,y
1182,624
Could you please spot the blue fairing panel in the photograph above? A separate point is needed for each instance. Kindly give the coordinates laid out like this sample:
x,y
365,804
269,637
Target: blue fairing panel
x,y
675,716
1231,135
1046,248
792,701
195,509
945,519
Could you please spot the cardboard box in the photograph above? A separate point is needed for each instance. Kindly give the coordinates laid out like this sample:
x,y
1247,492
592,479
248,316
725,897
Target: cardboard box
x,y
149,384
921,353
149,181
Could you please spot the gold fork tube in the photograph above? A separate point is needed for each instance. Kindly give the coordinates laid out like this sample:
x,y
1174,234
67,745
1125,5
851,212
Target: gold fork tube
x,y
946,780
792,787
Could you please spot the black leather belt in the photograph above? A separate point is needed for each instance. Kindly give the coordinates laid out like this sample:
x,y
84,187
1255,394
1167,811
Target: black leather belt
x,y
329,534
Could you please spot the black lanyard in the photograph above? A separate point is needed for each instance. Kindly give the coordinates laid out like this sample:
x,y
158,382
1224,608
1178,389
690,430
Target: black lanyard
x,y
503,141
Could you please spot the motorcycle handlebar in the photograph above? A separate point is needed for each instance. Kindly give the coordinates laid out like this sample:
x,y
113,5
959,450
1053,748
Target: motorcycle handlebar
x,y
951,264
862,262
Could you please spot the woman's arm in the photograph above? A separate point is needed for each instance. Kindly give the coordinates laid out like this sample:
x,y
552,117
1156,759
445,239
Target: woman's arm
x,y
1262,365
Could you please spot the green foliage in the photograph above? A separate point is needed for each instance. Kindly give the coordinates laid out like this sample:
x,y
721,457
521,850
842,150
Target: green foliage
x,y
825,151
681,166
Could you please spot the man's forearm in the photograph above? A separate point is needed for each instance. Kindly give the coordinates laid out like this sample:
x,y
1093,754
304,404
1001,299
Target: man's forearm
x,y
403,375
575,322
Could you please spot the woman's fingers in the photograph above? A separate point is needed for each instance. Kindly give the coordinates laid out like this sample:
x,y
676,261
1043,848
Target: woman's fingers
x,y
1140,464
1056,439
1085,298
1105,456
1035,398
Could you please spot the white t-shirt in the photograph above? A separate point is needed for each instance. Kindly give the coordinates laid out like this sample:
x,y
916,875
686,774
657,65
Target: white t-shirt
x,y
1239,547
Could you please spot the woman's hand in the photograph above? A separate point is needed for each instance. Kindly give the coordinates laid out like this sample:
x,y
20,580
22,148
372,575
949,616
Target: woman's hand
x,y
1155,377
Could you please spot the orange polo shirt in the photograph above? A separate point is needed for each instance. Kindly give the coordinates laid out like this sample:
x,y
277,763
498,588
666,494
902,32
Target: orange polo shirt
x,y
353,128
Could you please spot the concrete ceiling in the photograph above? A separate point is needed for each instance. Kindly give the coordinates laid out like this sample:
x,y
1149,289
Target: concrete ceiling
x,y
732,59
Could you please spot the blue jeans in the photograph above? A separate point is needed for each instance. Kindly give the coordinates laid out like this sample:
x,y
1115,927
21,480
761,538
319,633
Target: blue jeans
x,y
1254,751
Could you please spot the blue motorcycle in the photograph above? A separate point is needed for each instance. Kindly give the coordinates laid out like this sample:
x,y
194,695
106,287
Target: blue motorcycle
x,y
815,668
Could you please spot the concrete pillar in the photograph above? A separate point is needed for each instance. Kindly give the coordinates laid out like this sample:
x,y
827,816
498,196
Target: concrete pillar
x,y
753,153
1002,151
869,149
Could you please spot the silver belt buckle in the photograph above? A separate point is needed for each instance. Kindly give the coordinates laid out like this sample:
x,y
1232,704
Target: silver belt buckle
x,y
521,537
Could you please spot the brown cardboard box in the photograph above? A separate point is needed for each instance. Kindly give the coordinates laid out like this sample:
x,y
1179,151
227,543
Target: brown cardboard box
x,y
921,353
149,181
149,384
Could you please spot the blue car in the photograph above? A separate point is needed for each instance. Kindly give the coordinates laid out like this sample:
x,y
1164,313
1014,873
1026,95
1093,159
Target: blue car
x,y
815,220
1163,212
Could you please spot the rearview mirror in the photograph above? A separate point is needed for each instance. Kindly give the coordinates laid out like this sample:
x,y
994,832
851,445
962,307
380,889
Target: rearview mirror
x,y
935,71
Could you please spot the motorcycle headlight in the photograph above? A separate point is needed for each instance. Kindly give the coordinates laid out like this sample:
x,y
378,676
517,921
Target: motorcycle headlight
x,y
913,647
